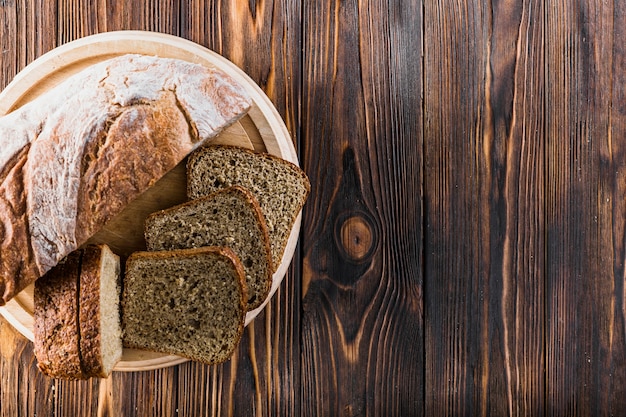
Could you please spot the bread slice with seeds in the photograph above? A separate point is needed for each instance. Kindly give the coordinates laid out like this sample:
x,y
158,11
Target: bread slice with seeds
x,y
186,302
280,187
230,217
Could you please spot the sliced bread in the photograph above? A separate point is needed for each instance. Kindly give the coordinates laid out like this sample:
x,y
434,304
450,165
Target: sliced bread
x,y
187,302
77,330
280,186
230,217
55,328
100,327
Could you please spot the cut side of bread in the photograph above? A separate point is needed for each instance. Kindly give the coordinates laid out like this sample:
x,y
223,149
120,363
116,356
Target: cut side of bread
x,y
187,302
230,217
280,187
77,330
100,327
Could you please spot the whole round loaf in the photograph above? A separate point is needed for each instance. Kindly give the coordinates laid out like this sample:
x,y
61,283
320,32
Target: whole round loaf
x,y
76,156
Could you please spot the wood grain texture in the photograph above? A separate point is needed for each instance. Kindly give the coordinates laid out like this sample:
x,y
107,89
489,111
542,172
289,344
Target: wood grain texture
x,y
484,265
584,208
24,391
20,38
362,308
463,247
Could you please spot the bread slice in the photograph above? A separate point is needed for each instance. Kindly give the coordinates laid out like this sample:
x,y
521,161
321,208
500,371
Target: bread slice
x,y
76,319
99,304
230,217
187,302
280,186
55,328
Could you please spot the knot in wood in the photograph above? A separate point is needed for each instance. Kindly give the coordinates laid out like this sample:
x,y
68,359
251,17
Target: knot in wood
x,y
355,236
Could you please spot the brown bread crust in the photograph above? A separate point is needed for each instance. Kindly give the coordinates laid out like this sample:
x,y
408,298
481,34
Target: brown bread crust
x,y
17,267
56,331
89,307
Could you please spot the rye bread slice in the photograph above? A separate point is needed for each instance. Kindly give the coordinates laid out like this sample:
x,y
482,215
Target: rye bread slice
x,y
280,187
187,302
230,217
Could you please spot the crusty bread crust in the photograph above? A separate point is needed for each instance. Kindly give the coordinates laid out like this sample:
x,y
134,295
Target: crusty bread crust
x,y
17,260
56,333
71,159
67,317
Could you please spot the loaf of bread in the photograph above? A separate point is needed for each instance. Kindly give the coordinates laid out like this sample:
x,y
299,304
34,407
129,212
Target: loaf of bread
x,y
280,187
77,331
72,158
230,217
187,302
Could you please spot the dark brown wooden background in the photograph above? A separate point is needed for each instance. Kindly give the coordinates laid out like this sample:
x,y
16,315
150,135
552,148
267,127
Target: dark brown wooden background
x,y
462,251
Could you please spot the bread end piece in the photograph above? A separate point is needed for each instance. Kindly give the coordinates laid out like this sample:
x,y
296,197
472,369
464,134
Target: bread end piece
x,y
56,332
77,323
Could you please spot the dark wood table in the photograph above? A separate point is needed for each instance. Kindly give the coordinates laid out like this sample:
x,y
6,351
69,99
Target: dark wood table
x,y
462,251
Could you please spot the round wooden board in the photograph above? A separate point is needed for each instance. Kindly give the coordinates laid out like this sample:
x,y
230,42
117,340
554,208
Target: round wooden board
x,y
262,129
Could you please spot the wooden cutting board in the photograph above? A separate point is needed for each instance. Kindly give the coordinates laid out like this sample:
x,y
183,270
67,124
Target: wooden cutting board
x,y
262,129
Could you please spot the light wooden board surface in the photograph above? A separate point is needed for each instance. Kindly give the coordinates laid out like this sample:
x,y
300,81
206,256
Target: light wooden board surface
x,y
262,129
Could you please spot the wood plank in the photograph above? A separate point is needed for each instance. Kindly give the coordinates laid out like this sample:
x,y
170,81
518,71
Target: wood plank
x,y
263,377
73,398
81,18
362,323
584,207
514,126
484,215
613,170
144,393
24,390
458,242
20,39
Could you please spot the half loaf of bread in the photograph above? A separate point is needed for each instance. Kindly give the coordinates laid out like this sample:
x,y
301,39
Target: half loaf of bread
x,y
77,332
230,217
187,302
74,157
280,187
